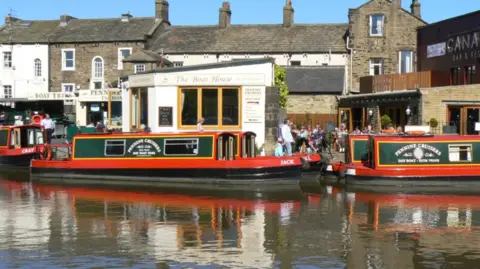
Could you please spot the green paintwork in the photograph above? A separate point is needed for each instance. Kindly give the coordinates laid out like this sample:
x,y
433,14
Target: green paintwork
x,y
433,153
3,137
360,148
95,147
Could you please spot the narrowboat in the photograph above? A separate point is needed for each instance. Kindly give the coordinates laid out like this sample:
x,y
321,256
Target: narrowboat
x,y
20,144
182,158
411,160
314,163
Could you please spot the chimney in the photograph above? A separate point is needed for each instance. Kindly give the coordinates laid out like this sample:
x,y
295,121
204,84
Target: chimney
x,y
225,15
126,17
9,19
288,14
161,10
397,4
415,7
64,19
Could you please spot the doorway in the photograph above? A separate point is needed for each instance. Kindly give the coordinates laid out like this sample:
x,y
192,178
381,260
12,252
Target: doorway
x,y
396,114
463,119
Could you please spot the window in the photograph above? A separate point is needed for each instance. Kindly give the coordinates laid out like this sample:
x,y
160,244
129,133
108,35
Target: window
x,y
114,109
68,59
177,64
39,134
460,153
114,147
138,108
469,74
181,146
37,68
139,68
3,138
7,59
295,63
376,67
68,88
376,25
98,85
35,137
7,91
220,107
455,75
122,54
97,68
405,61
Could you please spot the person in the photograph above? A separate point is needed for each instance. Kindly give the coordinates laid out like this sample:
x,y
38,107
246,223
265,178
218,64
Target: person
x,y
200,124
287,137
100,128
279,148
49,126
18,121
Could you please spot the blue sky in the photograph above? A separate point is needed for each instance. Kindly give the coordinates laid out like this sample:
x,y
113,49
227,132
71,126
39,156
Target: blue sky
x,y
194,12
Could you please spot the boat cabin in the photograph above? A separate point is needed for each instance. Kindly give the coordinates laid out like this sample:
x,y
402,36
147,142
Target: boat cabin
x,y
24,136
401,151
188,145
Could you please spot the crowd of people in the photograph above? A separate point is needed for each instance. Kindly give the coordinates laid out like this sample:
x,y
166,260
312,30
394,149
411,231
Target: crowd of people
x,y
308,139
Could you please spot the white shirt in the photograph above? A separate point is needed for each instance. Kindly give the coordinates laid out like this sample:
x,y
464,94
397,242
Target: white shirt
x,y
286,133
18,123
47,124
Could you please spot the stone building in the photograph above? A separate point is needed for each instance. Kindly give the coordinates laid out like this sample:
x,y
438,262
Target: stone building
x,y
383,38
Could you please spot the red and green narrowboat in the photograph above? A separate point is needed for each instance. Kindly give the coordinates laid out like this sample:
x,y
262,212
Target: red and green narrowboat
x,y
190,158
20,144
411,160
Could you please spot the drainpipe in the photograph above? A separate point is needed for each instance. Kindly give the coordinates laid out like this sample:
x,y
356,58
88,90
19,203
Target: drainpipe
x,y
351,62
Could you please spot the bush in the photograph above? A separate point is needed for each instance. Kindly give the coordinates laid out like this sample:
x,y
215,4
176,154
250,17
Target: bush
x,y
385,120
280,81
433,123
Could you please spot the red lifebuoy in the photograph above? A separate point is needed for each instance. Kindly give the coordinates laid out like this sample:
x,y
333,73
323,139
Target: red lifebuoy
x,y
37,119
46,154
416,133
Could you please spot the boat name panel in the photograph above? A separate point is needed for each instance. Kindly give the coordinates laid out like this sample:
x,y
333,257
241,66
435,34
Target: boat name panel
x,y
287,162
30,150
144,147
418,153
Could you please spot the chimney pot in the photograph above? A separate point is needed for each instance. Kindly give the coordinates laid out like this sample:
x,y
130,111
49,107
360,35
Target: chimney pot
x,y
415,8
397,4
225,15
288,12
161,10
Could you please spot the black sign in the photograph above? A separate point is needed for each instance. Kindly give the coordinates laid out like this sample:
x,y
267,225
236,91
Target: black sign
x,y
165,116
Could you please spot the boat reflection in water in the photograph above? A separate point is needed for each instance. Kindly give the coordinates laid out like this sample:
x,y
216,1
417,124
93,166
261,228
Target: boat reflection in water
x,y
177,227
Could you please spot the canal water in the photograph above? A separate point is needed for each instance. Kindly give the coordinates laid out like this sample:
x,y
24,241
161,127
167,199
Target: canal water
x,y
46,226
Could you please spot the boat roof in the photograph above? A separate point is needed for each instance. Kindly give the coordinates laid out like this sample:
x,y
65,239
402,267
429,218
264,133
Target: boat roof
x,y
20,126
145,134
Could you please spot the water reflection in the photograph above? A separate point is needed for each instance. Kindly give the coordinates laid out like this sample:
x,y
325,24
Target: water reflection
x,y
55,226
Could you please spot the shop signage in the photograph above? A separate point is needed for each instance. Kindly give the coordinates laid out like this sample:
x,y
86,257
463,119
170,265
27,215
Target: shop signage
x,y
100,95
436,50
411,153
165,116
254,110
51,96
144,148
209,80
143,80
464,47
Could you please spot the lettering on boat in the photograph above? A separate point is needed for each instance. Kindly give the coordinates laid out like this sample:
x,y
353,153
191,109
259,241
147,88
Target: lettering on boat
x,y
144,147
307,158
31,150
418,153
283,162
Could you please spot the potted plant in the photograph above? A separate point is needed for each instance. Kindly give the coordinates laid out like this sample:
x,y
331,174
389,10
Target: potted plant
x,y
385,120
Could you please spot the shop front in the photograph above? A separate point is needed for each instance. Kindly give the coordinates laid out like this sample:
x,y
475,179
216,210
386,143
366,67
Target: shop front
x,y
94,106
230,96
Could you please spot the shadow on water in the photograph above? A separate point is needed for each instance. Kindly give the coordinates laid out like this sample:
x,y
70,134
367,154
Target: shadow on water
x,y
59,226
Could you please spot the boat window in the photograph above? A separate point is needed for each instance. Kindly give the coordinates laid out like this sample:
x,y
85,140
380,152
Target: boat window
x,y
3,138
31,137
187,146
460,153
114,147
39,136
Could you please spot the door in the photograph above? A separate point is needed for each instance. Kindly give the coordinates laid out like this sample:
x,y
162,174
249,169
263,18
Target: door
x,y
472,116
454,119
17,143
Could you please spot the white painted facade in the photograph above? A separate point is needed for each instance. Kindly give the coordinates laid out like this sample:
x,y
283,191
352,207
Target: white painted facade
x,y
163,92
86,96
24,69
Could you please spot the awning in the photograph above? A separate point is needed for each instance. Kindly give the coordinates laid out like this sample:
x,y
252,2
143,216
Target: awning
x,y
379,98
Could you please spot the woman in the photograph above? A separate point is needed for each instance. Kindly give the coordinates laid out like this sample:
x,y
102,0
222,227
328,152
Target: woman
x,y
200,124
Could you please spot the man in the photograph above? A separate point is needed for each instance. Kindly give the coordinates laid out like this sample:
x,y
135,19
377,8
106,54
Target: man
x,y
49,126
287,137
18,121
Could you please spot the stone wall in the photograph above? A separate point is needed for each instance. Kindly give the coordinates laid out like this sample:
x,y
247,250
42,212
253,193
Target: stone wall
x,y
312,104
272,118
84,54
399,34
433,99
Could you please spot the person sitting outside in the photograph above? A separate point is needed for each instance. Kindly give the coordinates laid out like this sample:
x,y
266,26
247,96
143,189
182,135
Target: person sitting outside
x,y
279,148
200,123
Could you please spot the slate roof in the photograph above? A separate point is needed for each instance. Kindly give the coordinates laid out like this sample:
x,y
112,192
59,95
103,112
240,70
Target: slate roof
x,y
146,56
239,62
77,30
328,79
254,38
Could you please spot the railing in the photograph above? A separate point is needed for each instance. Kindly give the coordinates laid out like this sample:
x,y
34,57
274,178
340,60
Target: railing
x,y
395,82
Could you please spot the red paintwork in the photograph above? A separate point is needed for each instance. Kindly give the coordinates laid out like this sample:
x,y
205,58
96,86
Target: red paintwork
x,y
311,158
6,151
111,163
159,199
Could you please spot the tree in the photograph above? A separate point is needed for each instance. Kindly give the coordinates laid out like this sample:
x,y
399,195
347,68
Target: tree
x,y
280,77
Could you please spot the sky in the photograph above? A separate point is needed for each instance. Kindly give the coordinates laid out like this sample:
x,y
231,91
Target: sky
x,y
201,12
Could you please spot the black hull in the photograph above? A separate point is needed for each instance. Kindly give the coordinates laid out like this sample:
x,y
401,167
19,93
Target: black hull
x,y
278,176
16,161
438,181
